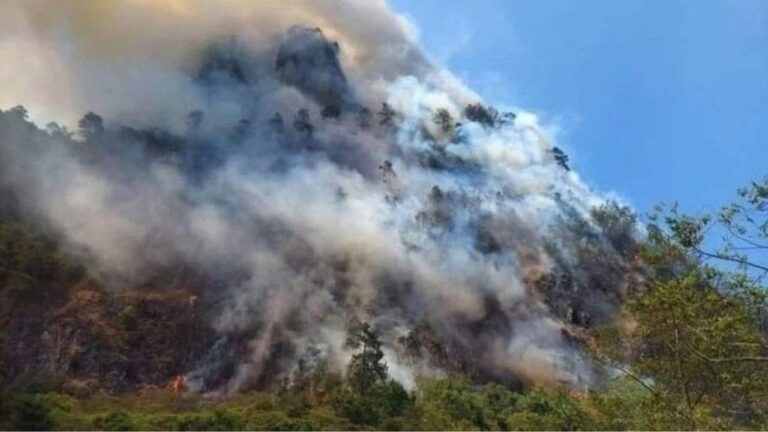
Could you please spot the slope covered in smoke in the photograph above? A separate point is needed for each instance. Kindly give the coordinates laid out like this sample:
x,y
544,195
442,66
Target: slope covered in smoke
x,y
298,184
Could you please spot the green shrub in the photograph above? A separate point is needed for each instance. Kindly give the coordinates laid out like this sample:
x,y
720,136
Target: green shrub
x,y
28,412
548,410
30,255
449,404
114,421
357,408
218,420
278,421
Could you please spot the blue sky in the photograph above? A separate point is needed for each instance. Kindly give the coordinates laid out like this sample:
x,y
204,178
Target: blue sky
x,y
662,100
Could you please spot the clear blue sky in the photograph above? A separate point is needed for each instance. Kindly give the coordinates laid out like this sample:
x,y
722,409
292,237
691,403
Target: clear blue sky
x,y
663,100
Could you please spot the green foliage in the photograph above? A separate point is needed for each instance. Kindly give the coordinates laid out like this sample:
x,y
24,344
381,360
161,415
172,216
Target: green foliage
x,y
701,348
279,421
391,398
366,367
449,404
548,410
456,404
29,255
114,421
381,402
358,409
28,412
624,405
694,339
737,234
218,420
295,404
498,402
369,398
617,223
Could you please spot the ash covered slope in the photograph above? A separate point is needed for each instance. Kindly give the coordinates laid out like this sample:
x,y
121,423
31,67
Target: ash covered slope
x,y
299,198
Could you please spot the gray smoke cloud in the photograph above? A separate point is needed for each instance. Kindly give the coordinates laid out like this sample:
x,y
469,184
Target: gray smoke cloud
x,y
245,146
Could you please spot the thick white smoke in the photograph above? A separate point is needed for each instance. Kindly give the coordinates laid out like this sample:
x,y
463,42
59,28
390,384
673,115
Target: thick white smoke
x,y
132,59
436,233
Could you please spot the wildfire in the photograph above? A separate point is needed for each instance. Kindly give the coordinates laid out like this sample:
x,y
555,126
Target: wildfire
x,y
579,392
178,383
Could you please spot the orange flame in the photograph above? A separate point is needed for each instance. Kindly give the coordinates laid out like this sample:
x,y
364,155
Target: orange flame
x,y
178,383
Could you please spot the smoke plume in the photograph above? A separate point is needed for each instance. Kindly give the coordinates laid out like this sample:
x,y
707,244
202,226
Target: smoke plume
x,y
304,167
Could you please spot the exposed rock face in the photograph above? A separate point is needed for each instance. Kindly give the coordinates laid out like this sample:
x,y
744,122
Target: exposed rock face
x,y
95,339
308,61
224,63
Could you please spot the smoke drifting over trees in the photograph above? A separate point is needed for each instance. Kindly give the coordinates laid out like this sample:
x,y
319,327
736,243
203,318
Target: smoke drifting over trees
x,y
304,177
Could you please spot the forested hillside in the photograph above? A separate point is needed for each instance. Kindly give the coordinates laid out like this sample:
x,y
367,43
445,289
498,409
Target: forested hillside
x,y
258,223
686,350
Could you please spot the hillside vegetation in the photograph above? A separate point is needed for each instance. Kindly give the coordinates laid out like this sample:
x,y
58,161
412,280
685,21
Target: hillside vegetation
x,y
688,352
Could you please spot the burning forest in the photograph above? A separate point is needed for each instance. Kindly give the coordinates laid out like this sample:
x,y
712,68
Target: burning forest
x,y
224,194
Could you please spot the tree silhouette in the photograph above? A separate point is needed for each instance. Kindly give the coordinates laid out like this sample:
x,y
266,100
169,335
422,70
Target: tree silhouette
x,y
301,122
444,120
386,115
561,158
366,367
486,116
91,126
